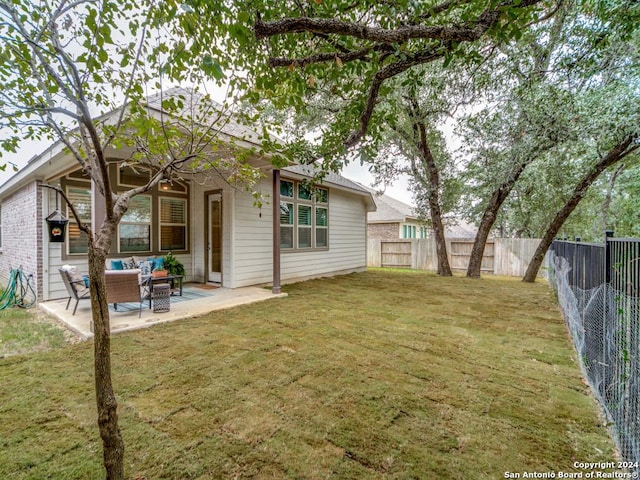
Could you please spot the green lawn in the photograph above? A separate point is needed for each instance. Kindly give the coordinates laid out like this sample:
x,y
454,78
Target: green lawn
x,y
375,375
24,331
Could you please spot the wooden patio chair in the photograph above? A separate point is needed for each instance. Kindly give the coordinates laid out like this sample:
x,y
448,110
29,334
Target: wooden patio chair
x,y
75,286
123,286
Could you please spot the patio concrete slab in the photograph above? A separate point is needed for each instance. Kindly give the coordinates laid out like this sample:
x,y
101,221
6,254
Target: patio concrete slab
x,y
122,321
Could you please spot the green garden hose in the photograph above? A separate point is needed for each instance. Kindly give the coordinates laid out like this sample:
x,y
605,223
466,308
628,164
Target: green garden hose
x,y
19,291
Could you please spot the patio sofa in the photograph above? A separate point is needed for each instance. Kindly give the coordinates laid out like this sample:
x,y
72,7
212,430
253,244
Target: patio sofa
x,y
146,265
124,286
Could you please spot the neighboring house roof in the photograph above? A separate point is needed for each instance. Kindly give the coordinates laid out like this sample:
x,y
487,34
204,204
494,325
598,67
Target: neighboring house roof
x,y
332,179
390,210
460,229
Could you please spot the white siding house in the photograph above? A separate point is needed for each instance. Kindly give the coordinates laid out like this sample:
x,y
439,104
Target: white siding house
x,y
226,239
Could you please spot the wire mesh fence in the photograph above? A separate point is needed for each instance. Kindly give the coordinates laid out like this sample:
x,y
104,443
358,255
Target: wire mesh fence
x,y
597,288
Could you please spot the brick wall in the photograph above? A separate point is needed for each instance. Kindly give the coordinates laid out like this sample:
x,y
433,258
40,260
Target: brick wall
x,y
22,230
383,231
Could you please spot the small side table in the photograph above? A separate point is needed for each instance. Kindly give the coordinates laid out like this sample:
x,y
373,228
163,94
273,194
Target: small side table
x,y
161,295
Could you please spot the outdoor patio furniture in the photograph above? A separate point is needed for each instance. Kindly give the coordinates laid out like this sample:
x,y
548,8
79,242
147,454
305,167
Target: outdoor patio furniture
x,y
75,285
123,286
151,282
161,297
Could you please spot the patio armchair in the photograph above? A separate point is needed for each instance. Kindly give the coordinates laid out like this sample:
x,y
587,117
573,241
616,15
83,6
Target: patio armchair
x,y
123,286
75,285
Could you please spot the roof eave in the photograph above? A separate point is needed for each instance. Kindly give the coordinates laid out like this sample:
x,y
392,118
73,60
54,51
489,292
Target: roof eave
x,y
369,202
34,169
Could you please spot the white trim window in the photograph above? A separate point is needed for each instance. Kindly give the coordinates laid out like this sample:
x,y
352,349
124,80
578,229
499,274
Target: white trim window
x,y
134,231
322,227
409,231
80,197
304,216
173,224
286,225
305,226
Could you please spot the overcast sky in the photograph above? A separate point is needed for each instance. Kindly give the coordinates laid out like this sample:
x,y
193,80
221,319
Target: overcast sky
x,y
398,190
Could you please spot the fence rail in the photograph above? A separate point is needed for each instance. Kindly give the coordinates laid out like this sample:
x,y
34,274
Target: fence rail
x,y
502,256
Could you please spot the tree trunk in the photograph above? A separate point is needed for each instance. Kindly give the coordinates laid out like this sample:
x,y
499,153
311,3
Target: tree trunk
x,y
616,154
432,184
488,218
541,67
112,443
429,164
444,269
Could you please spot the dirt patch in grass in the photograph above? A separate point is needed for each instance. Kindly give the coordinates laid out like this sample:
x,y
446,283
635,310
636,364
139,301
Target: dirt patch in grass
x,y
374,375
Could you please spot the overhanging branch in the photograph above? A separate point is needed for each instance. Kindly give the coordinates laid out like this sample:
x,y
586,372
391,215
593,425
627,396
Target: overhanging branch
x,y
444,37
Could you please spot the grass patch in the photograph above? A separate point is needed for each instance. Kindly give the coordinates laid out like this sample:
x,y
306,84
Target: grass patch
x,y
23,331
374,375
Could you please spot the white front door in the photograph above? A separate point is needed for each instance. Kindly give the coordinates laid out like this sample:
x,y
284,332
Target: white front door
x,y
214,217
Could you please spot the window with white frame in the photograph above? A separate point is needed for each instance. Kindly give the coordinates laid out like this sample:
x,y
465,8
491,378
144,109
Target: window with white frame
x,y
173,223
80,198
409,231
286,225
156,222
305,226
135,226
304,216
322,227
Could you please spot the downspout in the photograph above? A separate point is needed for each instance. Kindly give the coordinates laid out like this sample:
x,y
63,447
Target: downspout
x,y
276,231
42,248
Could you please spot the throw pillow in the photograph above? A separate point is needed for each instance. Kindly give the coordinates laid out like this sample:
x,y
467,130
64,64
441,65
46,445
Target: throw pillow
x,y
145,267
128,263
116,265
158,263
75,276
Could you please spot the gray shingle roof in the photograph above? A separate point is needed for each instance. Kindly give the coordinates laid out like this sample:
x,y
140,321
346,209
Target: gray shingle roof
x,y
460,229
331,177
197,105
389,209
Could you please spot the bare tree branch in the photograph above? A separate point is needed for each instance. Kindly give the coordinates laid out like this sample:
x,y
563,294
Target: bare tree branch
x,y
466,32
379,78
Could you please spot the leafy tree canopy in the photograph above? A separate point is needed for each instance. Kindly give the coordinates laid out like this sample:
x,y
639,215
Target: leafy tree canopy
x,y
349,51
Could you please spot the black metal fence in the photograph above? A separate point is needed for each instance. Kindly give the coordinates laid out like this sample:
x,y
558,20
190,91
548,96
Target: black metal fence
x,y
616,262
598,289
587,262
623,265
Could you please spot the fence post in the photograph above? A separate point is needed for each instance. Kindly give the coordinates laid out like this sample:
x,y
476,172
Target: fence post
x,y
607,255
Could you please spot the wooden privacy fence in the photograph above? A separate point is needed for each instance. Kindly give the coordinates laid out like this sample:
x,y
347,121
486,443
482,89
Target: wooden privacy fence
x,y
502,256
